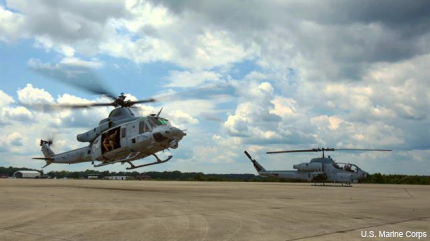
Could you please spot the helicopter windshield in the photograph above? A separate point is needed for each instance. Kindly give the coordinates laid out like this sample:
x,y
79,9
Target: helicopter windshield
x,y
158,122
347,167
164,121
352,168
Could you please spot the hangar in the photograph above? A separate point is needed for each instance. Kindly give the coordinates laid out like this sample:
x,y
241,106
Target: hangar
x,y
26,174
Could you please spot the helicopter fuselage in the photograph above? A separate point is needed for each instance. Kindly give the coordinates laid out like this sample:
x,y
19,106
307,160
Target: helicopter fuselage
x,y
324,173
126,140
317,170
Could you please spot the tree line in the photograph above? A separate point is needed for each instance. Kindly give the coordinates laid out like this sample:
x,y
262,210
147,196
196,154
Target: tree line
x,y
199,176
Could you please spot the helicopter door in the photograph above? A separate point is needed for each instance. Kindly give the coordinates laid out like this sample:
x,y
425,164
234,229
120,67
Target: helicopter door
x,y
110,140
123,140
96,152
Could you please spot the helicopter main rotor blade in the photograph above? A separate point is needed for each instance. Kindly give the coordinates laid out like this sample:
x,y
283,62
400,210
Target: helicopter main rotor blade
x,y
291,151
205,92
86,79
82,106
76,76
324,149
362,150
57,107
149,100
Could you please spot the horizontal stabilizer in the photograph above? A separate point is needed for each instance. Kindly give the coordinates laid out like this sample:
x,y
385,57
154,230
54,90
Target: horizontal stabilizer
x,y
43,158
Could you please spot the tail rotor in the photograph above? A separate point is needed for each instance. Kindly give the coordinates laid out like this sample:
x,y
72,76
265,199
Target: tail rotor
x,y
47,151
48,142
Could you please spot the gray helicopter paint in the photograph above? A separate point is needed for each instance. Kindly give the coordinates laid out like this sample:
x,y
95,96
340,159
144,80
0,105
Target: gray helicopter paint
x,y
116,117
318,170
74,156
133,145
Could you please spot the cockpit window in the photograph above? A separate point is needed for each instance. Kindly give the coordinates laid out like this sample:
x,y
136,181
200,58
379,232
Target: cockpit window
x,y
164,121
158,122
346,167
153,122
351,168
143,127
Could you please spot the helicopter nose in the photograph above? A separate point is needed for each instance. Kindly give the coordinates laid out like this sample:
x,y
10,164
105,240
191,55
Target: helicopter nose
x,y
163,134
175,133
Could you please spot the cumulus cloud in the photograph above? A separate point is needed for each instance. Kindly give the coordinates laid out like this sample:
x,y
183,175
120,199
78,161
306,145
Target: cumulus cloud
x,y
11,25
191,79
5,99
19,113
34,95
12,142
198,36
82,63
137,30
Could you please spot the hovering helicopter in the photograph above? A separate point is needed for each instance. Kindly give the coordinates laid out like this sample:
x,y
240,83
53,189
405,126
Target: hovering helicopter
x,y
322,169
120,138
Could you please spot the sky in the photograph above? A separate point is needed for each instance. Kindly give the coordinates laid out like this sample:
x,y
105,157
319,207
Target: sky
x,y
294,75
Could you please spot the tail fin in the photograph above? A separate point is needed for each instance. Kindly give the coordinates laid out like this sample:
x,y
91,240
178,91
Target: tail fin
x,y
46,148
257,165
47,152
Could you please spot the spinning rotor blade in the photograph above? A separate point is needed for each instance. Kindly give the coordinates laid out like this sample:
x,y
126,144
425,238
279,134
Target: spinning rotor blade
x,y
86,79
73,75
49,136
79,106
149,100
57,107
205,92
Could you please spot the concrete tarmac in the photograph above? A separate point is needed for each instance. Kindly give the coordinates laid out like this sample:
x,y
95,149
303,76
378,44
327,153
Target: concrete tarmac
x,y
155,210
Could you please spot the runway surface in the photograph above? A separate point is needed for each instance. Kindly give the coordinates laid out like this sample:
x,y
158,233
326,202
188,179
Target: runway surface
x,y
155,210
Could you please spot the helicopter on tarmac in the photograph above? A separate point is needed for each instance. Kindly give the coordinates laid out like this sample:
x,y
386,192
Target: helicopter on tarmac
x,y
322,169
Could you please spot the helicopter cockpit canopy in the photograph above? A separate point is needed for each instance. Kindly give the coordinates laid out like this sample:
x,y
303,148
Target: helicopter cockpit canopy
x,y
158,121
347,167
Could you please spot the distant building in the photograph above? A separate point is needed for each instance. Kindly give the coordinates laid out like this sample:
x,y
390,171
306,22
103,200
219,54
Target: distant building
x,y
119,178
26,174
94,176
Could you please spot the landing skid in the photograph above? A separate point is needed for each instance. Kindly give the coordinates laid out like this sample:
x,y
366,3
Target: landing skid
x,y
159,161
333,185
128,158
